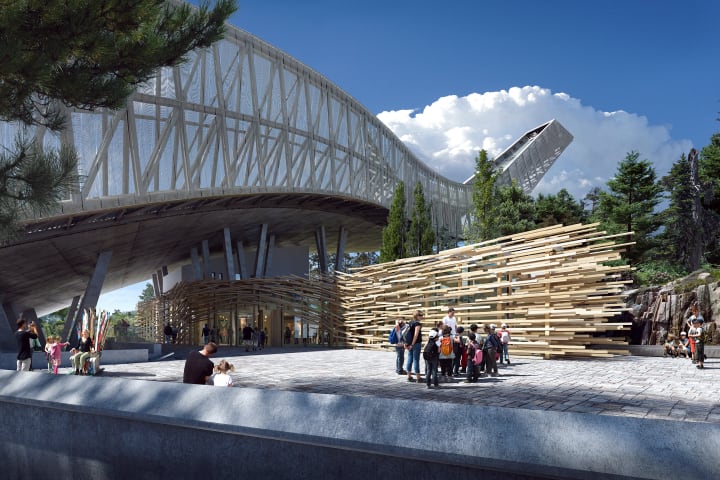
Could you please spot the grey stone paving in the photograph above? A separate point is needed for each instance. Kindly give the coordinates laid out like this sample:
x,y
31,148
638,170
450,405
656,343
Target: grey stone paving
x,y
649,387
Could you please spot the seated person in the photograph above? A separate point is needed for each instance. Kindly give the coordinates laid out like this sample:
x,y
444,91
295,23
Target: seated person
x,y
683,348
82,352
670,347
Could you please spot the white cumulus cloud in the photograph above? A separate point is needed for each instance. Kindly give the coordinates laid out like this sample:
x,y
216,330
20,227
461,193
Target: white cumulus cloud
x,y
448,134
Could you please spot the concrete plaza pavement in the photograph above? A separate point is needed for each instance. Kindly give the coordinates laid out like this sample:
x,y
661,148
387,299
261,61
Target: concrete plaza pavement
x,y
630,386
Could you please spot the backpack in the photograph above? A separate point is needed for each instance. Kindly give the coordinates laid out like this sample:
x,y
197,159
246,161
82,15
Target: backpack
x,y
407,333
477,357
393,336
431,350
505,337
446,346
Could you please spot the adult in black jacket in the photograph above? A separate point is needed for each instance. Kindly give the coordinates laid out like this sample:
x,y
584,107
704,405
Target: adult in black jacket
x,y
198,366
23,337
490,348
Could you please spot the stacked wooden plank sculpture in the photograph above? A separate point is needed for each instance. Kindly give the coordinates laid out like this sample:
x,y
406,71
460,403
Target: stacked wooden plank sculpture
x,y
552,286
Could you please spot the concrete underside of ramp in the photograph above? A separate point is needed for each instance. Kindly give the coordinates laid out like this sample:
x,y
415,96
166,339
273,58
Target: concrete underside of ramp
x,y
98,428
49,265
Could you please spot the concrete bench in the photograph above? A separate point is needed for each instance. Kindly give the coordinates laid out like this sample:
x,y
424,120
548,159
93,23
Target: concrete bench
x,y
91,366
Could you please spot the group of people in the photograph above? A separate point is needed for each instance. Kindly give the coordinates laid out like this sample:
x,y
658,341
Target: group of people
x,y
691,344
200,370
171,333
54,345
253,338
448,349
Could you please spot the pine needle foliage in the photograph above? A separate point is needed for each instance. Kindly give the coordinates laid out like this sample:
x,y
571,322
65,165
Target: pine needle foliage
x,y
86,54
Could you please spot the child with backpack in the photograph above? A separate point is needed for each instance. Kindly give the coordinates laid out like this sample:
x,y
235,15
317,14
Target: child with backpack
x,y
472,349
447,353
431,352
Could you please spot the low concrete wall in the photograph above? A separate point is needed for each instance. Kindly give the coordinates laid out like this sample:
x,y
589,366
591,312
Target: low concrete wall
x,y
107,428
8,361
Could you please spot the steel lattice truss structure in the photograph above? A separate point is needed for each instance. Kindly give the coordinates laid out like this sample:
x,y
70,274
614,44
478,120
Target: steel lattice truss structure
x,y
240,135
242,117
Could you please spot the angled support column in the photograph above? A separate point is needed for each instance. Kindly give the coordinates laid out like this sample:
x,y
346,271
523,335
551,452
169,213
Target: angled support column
x,y
268,259
340,256
92,293
69,319
206,259
321,249
160,280
229,261
7,328
261,249
242,264
197,267
157,290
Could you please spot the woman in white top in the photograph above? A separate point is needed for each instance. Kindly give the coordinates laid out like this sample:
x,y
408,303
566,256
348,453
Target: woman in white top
x,y
221,378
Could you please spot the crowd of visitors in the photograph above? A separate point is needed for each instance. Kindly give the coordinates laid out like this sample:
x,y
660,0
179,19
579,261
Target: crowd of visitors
x,y
448,352
691,343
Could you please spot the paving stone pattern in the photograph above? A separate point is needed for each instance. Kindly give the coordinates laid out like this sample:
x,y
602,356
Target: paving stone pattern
x,y
649,387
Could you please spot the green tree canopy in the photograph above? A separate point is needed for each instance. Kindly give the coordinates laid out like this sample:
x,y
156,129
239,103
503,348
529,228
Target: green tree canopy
x,y
687,224
513,212
148,293
421,236
93,54
394,234
592,198
558,209
58,54
710,173
629,204
481,223
710,194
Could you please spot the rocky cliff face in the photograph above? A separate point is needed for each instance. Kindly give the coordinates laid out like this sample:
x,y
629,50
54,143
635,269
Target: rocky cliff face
x,y
659,311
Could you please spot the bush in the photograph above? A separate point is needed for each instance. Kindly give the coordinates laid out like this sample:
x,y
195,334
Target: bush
x,y
657,273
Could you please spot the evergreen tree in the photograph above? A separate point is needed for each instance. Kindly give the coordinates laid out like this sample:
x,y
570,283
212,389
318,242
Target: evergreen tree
x,y
363,259
444,240
629,204
148,293
710,173
56,54
558,209
592,199
32,182
710,195
481,222
421,236
513,212
683,235
93,55
394,234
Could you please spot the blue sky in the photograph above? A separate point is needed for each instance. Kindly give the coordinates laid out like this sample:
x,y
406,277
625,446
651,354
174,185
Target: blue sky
x,y
456,76
651,58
